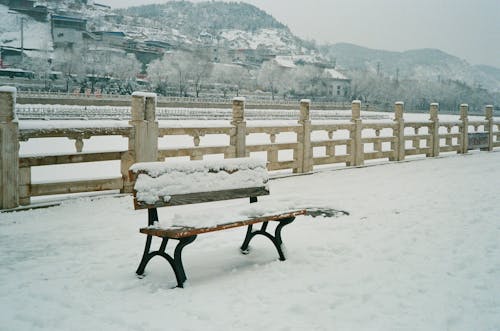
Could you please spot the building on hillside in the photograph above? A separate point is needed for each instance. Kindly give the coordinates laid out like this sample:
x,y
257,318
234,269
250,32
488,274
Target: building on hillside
x,y
101,6
111,38
159,44
338,85
10,56
67,31
21,4
250,56
31,8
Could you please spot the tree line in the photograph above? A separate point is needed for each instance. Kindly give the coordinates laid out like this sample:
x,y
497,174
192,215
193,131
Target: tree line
x,y
182,73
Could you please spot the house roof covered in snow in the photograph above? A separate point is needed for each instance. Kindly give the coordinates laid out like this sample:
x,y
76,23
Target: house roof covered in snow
x,y
285,62
334,74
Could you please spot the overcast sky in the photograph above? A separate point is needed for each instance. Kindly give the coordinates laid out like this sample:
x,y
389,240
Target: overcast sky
x,y
469,29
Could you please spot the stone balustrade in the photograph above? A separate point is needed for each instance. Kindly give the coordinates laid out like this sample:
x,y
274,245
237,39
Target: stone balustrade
x,y
352,143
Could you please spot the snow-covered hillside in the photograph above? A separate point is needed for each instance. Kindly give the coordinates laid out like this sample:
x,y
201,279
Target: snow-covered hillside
x,y
419,64
36,34
273,39
216,23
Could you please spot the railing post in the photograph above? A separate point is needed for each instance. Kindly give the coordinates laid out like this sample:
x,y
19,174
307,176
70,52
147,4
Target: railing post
x,y
143,139
489,126
434,130
399,131
464,129
304,157
238,136
9,149
357,149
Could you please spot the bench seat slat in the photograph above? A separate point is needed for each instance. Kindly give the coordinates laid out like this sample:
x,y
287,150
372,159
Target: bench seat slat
x,y
200,197
181,232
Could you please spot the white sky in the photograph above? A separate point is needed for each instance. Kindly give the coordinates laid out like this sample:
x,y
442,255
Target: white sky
x,y
469,29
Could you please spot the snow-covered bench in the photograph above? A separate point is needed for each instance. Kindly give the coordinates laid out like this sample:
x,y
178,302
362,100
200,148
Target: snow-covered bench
x,y
165,184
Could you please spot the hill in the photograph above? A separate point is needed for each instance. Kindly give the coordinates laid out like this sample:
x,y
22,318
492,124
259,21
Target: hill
x,y
194,18
229,25
420,64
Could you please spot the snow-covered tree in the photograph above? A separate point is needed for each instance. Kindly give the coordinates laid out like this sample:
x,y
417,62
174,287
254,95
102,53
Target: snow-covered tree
x,y
307,81
201,69
230,77
158,75
179,68
124,68
270,77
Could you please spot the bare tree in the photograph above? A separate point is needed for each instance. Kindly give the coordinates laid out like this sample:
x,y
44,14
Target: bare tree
x,y
239,77
184,68
201,68
179,66
230,77
158,74
270,77
306,81
124,70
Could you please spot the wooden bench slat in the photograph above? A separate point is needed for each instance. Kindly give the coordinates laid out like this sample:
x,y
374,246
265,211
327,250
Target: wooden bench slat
x,y
181,232
185,199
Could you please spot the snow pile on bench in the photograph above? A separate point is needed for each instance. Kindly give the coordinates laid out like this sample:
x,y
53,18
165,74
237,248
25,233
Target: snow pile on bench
x,y
158,181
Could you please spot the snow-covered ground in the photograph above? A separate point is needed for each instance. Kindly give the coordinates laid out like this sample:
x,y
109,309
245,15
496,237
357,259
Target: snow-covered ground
x,y
420,250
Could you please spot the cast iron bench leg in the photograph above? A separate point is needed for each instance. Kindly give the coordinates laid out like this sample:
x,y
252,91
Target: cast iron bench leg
x,y
175,262
276,239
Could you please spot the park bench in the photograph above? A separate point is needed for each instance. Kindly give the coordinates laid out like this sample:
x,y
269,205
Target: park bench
x,y
167,184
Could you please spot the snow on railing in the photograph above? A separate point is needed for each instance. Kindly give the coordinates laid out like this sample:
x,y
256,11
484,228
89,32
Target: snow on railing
x,y
191,101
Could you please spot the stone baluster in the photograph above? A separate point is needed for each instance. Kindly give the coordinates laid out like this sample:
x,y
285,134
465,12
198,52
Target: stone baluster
x,y
377,145
449,141
416,141
330,151
272,152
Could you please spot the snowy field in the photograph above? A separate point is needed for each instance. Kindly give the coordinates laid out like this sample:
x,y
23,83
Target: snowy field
x,y
420,250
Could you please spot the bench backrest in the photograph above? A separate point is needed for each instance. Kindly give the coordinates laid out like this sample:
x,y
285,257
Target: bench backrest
x,y
162,184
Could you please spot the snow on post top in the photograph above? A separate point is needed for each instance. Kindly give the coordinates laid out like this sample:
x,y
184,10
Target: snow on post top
x,y
240,99
308,101
8,89
160,180
144,94
7,113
